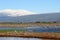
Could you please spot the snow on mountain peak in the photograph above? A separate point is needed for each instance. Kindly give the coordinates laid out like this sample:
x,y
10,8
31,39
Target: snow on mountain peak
x,y
14,13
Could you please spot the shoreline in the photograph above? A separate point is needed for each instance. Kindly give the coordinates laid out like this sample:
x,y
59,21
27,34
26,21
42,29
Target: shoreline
x,y
29,24
43,35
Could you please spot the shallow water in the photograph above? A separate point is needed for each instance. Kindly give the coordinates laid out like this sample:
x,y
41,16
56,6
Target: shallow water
x,y
17,38
35,29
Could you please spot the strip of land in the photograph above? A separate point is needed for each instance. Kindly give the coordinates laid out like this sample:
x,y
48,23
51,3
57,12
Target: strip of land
x,y
28,24
44,35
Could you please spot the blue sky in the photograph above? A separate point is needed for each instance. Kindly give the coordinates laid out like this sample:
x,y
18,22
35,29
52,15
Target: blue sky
x,y
39,6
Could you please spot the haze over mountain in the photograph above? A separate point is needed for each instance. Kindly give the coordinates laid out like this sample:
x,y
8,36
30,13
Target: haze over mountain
x,y
27,16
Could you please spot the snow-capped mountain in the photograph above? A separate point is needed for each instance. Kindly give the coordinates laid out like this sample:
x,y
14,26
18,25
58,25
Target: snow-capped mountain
x,y
26,16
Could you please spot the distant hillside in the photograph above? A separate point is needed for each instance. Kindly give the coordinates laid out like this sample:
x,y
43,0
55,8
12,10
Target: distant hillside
x,y
32,18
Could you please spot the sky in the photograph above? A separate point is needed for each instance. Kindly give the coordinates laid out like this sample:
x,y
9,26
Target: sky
x,y
37,6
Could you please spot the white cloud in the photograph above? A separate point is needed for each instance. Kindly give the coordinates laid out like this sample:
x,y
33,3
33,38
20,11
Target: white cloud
x,y
10,12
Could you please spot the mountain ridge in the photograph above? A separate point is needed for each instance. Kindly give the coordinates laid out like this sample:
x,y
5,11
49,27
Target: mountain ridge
x,y
50,17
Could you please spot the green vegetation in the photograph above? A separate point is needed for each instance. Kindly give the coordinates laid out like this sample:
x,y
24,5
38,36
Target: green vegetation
x,y
46,22
26,22
12,30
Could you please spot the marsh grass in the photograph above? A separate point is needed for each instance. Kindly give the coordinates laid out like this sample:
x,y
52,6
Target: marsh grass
x,y
12,30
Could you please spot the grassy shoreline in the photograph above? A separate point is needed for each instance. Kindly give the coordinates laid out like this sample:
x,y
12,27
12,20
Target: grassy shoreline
x,y
28,24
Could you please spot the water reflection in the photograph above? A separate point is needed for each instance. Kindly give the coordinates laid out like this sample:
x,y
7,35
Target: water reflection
x,y
17,38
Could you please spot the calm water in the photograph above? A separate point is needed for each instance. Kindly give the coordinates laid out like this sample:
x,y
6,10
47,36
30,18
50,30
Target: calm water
x,y
35,29
17,38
